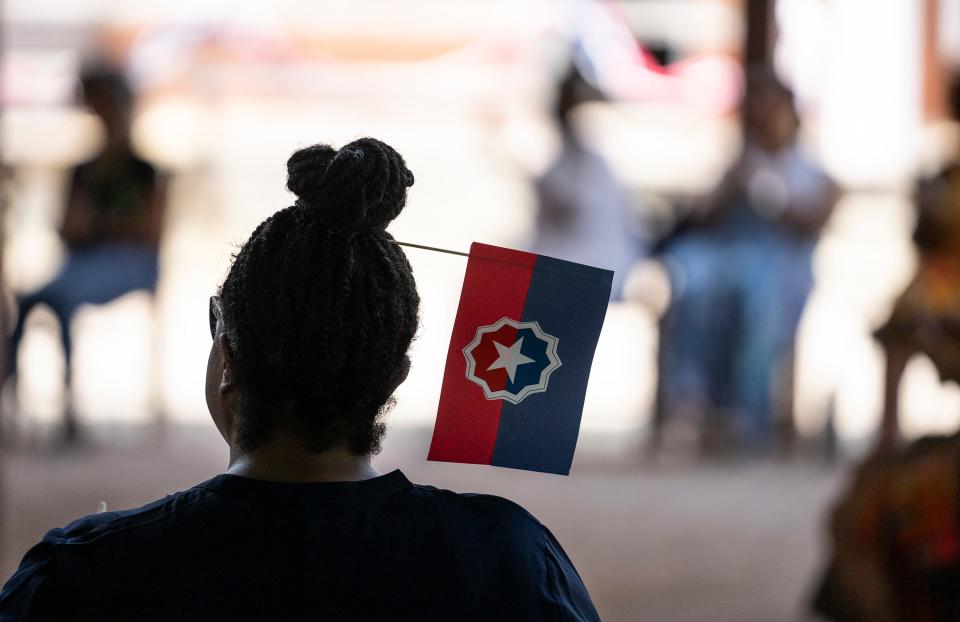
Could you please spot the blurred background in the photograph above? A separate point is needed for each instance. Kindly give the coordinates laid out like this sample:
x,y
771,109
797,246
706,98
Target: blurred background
x,y
748,167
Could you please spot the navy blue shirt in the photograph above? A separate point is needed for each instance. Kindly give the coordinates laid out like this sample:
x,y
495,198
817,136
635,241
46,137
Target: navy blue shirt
x,y
235,548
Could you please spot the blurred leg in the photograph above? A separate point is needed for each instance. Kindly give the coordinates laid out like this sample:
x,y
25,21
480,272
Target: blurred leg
x,y
95,275
690,333
98,275
755,359
775,283
64,307
25,305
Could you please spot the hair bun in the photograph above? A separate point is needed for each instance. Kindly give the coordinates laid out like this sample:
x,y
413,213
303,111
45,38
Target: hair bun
x,y
363,185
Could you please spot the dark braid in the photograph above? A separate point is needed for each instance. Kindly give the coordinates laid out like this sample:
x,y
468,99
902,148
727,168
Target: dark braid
x,y
320,304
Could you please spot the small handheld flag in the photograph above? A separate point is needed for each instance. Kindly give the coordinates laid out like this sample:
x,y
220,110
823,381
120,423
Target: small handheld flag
x,y
519,360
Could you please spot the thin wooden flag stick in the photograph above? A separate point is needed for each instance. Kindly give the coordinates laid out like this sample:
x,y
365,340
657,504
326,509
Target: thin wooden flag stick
x,y
432,248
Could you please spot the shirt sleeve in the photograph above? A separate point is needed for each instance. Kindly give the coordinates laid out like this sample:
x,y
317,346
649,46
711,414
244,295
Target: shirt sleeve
x,y
32,593
567,591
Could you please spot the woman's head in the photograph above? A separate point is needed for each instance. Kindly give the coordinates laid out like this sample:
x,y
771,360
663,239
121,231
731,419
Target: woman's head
x,y
105,90
768,113
319,307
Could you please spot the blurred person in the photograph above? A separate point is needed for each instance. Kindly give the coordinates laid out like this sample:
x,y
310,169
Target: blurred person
x,y
111,225
740,270
310,331
935,286
583,211
895,532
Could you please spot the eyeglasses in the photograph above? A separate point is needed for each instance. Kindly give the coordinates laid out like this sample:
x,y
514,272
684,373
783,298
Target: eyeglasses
x,y
216,315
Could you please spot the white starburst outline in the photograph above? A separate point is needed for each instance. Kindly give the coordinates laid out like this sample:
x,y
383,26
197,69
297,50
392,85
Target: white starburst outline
x,y
530,389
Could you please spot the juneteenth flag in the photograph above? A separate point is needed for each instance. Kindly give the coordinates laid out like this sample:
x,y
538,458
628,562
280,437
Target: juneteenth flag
x,y
519,360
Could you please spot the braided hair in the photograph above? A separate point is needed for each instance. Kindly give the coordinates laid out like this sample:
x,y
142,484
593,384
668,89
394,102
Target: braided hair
x,y
320,305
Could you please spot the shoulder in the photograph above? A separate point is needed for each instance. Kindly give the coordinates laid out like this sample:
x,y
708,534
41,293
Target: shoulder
x,y
487,531
801,161
479,507
508,552
81,171
481,524
141,170
134,165
106,527
37,590
93,527
142,166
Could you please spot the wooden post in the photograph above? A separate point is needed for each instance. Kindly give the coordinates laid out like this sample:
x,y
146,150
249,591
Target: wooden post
x,y
933,93
4,320
760,35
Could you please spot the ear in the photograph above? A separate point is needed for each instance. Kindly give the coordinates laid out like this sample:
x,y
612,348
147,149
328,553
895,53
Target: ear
x,y
227,378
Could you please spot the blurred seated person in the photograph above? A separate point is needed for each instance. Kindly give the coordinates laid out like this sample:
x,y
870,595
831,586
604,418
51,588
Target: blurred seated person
x,y
583,210
934,289
740,271
310,332
896,530
111,226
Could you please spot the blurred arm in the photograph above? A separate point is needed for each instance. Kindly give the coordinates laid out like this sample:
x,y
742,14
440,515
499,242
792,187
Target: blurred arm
x,y
79,220
896,356
809,212
156,209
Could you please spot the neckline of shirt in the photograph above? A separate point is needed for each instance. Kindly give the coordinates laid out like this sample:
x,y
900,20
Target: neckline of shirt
x,y
237,485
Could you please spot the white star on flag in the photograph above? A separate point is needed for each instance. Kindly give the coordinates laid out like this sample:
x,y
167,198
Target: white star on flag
x,y
510,358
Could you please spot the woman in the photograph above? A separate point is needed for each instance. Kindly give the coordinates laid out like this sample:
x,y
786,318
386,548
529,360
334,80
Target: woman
x,y
583,210
111,226
310,333
895,531
741,279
